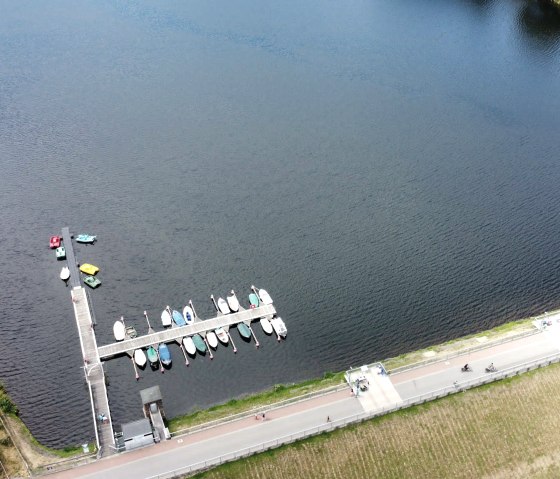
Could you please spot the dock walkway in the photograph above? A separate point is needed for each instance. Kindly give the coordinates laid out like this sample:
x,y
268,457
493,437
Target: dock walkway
x,y
93,367
175,333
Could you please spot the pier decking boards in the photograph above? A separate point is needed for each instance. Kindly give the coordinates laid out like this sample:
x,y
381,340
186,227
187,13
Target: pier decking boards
x,y
93,367
176,333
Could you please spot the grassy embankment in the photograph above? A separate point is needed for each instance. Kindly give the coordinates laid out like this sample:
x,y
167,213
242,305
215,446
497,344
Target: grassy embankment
x,y
509,429
279,393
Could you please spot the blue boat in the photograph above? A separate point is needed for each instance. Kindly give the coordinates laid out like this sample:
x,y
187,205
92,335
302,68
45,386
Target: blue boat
x,y
164,354
88,239
178,318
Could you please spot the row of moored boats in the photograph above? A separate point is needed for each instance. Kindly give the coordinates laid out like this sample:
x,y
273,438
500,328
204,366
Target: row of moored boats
x,y
197,343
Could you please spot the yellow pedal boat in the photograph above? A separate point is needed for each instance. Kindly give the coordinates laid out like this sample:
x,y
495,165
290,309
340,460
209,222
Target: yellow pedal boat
x,y
89,269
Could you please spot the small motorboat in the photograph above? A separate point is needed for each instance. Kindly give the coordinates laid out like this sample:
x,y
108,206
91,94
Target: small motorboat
x,y
89,269
152,356
178,318
86,239
119,330
92,281
130,332
188,315
199,343
266,326
65,273
232,301
244,331
60,252
164,354
254,300
165,318
222,335
140,357
212,339
279,327
264,296
54,242
223,306
189,346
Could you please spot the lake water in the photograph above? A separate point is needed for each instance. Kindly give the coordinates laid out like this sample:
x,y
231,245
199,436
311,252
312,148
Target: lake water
x,y
388,171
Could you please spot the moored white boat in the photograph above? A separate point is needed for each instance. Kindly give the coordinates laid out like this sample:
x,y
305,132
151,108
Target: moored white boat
x,y
65,273
222,335
165,318
232,301
189,346
212,339
140,357
223,306
279,327
119,330
266,326
188,314
264,296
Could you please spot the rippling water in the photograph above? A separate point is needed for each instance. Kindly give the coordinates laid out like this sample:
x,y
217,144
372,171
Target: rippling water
x,y
388,171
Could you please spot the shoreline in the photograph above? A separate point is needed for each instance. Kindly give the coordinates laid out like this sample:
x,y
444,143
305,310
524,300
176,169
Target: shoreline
x,y
39,458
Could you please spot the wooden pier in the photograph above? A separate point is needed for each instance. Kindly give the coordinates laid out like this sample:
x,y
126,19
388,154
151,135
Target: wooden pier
x,y
175,333
93,367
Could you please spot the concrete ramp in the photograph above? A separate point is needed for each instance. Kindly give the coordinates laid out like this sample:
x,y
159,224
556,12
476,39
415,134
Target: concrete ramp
x,y
380,392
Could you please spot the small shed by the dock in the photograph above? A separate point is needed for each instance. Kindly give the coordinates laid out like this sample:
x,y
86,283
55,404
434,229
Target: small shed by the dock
x,y
150,396
136,434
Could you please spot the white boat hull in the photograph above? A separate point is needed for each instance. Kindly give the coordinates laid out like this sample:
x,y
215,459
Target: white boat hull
x,y
233,302
264,297
188,315
189,346
222,335
119,330
212,339
279,327
65,273
266,326
140,357
165,318
223,306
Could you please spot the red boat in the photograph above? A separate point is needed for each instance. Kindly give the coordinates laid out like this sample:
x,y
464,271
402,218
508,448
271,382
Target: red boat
x,y
55,242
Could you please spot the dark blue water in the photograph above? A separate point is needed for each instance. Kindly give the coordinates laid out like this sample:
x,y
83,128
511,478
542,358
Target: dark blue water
x,y
388,171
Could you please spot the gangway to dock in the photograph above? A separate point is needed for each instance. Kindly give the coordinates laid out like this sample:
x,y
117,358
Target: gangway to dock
x,y
176,333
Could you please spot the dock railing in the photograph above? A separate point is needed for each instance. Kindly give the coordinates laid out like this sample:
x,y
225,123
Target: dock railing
x,y
357,418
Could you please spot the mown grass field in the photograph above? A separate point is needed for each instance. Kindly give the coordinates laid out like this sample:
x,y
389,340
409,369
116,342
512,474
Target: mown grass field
x,y
509,429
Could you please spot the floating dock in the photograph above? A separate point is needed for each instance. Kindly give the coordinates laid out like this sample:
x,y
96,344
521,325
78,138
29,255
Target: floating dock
x,y
175,333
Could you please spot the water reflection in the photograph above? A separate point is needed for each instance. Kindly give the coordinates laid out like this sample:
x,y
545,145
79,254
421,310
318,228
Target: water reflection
x,y
539,22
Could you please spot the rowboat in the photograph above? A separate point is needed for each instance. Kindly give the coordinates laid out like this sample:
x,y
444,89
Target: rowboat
x,y
54,242
60,252
222,335
92,281
254,300
189,346
152,356
244,331
88,239
212,339
264,297
232,301
165,318
65,273
279,327
164,354
89,269
119,330
223,306
178,318
199,343
266,326
140,357
188,314
130,332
